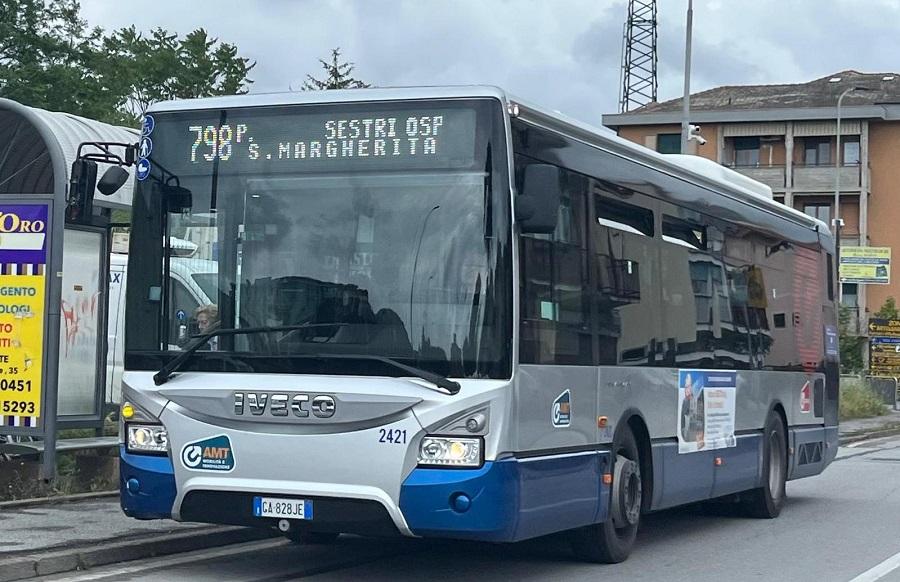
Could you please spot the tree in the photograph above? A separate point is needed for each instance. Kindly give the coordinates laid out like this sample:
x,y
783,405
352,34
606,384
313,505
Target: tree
x,y
143,69
888,310
49,58
44,45
851,344
337,75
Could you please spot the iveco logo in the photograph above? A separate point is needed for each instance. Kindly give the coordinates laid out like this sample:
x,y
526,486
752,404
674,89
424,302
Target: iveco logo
x,y
300,405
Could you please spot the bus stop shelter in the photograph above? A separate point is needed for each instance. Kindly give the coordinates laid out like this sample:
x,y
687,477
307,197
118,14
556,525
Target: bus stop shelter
x,y
54,277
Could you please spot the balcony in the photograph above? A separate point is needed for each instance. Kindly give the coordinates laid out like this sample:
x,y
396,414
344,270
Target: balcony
x,y
821,178
771,176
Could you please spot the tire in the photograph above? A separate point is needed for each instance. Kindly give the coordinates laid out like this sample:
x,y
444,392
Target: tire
x,y
316,538
766,502
604,542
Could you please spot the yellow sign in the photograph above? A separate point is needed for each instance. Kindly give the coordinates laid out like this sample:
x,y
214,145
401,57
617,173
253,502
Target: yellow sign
x,y
23,272
21,344
870,265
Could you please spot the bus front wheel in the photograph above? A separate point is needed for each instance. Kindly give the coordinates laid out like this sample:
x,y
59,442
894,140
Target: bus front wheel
x,y
611,541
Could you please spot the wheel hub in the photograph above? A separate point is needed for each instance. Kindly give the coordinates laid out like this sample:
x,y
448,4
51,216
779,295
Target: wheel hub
x,y
626,492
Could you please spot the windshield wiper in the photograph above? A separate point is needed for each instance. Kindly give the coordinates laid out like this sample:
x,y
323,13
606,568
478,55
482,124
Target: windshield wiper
x,y
436,379
166,371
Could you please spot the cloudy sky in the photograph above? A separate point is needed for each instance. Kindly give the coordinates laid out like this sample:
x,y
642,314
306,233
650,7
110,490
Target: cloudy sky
x,y
563,54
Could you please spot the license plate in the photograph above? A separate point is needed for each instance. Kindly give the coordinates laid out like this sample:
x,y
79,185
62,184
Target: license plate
x,y
282,508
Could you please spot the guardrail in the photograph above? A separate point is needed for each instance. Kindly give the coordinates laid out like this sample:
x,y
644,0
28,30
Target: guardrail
x,y
887,387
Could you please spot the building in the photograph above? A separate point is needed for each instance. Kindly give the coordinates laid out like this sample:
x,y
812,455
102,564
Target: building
x,y
786,137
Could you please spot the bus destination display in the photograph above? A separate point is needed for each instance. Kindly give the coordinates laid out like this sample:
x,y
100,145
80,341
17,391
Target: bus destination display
x,y
293,142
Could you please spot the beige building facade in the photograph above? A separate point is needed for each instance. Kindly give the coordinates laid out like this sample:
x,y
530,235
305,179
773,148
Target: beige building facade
x,y
786,137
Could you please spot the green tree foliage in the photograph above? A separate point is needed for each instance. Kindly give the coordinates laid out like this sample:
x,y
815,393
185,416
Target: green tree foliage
x,y
888,310
43,49
143,69
338,75
49,58
851,345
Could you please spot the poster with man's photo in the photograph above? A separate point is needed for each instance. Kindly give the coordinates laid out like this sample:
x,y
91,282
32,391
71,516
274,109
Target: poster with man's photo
x,y
706,400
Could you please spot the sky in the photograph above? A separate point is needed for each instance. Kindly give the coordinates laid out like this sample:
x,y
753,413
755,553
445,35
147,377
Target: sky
x,y
561,54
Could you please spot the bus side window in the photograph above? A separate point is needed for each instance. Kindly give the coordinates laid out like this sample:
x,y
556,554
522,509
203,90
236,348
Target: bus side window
x,y
624,263
555,309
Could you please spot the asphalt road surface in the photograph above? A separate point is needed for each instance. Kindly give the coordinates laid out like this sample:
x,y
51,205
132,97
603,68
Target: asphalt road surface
x,y
843,525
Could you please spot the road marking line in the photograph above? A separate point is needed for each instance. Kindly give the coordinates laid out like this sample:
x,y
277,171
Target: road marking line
x,y
879,571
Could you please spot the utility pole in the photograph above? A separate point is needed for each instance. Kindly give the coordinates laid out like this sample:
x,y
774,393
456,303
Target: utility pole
x,y
686,101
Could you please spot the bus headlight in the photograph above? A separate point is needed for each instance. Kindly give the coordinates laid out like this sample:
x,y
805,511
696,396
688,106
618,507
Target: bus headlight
x,y
147,438
451,452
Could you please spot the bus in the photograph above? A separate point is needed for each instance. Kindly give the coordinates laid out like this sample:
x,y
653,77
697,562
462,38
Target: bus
x,y
444,312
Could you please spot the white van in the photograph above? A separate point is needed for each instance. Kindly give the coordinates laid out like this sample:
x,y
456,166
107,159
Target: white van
x,y
194,284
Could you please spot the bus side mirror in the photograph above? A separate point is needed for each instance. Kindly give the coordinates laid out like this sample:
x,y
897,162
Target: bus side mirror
x,y
177,199
537,207
113,178
80,203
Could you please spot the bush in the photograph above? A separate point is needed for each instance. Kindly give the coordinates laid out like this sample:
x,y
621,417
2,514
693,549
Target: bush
x,y
859,401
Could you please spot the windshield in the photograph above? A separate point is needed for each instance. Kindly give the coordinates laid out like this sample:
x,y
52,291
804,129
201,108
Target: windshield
x,y
401,252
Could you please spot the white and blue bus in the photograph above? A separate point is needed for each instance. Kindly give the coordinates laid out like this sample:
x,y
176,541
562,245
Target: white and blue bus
x,y
441,312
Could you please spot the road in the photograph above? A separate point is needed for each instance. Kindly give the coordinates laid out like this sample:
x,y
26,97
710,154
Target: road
x,y
843,525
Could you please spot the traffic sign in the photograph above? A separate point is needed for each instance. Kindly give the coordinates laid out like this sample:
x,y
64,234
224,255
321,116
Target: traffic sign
x,y
884,346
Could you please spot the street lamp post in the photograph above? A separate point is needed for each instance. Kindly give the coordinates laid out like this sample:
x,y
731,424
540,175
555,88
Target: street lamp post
x,y
837,222
686,102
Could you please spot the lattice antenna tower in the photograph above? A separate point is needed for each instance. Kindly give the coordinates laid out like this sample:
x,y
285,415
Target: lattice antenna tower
x,y
639,59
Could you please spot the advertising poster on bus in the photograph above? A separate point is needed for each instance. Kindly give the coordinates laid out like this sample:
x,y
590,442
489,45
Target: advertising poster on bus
x,y
23,269
706,403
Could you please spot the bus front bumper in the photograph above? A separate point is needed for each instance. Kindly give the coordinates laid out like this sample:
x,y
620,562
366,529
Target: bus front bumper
x,y
503,501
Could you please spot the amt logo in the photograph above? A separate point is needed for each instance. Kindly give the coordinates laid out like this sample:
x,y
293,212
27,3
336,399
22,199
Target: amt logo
x,y
212,454
561,412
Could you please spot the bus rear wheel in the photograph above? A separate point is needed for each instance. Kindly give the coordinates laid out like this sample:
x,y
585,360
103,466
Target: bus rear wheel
x,y
766,501
317,538
611,541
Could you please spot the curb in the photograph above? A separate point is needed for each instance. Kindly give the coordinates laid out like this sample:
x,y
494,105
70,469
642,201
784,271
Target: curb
x,y
57,499
883,431
111,552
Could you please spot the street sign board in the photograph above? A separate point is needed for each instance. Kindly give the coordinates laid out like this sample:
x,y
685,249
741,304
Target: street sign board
x,y
884,347
870,265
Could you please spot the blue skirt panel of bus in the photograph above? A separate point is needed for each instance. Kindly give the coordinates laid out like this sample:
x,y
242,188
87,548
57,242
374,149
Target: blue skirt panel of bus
x,y
146,485
680,478
507,500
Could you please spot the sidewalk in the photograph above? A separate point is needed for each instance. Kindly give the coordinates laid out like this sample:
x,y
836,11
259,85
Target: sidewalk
x,y
862,428
53,537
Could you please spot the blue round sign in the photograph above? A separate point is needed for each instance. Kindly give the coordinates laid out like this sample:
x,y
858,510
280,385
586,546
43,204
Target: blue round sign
x,y
143,169
145,147
147,125
180,315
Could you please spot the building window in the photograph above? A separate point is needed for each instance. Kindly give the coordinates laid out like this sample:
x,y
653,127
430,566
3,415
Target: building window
x,y
668,143
849,295
820,210
746,151
851,153
817,152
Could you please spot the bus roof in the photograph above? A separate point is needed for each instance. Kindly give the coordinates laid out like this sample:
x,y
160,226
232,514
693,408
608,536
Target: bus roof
x,y
717,180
